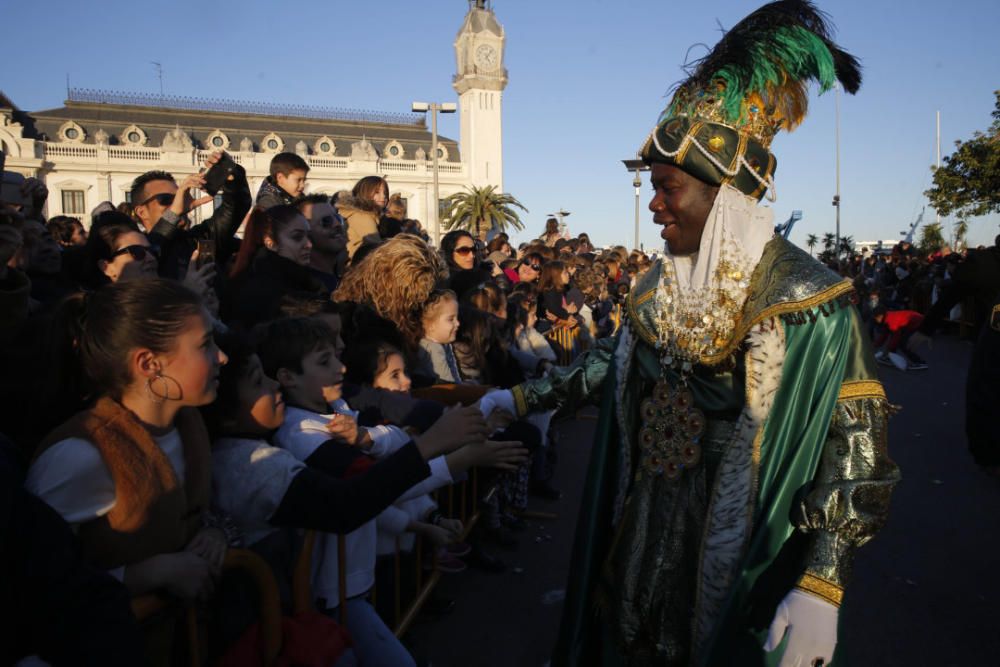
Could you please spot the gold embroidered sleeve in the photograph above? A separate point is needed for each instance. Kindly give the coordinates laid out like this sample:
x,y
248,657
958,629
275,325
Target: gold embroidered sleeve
x,y
567,387
849,499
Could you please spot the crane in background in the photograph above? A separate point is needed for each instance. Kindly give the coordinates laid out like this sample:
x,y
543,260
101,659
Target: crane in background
x,y
908,235
785,228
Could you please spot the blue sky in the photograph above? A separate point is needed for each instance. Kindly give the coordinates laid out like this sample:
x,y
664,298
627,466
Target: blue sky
x,y
587,80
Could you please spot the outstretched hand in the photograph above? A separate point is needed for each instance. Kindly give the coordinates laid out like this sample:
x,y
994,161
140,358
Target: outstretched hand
x,y
458,426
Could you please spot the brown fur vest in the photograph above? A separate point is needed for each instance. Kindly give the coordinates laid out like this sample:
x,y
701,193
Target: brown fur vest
x,y
153,513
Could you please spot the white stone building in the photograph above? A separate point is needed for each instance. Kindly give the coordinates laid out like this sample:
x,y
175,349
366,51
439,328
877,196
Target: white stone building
x,y
89,150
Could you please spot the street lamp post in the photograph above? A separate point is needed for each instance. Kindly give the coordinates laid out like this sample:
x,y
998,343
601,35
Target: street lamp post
x,y
836,197
637,166
434,108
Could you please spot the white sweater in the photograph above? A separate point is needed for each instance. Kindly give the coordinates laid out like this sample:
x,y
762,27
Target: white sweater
x,y
301,434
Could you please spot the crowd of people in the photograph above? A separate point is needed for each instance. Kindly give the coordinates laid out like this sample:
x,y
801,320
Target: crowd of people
x,y
175,388
906,296
293,361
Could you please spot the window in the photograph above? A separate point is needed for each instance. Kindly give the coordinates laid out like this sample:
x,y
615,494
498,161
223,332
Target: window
x,y
73,202
325,147
134,137
217,141
393,151
272,144
72,133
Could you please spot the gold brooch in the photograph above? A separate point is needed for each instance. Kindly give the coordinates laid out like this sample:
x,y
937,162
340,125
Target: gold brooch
x,y
671,430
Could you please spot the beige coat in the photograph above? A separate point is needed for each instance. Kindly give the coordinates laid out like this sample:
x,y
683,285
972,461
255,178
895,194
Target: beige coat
x,y
361,219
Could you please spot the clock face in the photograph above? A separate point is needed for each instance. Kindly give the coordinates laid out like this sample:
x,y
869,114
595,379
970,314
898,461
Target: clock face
x,y
486,56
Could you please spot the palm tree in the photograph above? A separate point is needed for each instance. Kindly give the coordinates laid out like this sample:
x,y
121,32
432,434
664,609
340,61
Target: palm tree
x,y
811,242
828,242
961,231
847,245
478,210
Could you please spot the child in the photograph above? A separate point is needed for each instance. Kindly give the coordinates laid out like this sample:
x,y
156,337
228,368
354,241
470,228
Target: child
x,y
439,328
300,354
894,330
557,316
286,183
130,473
381,365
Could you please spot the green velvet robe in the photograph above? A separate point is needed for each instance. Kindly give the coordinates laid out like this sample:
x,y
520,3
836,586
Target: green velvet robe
x,y
799,479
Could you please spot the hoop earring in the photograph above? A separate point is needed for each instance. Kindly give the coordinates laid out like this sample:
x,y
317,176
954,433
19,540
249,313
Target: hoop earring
x,y
153,396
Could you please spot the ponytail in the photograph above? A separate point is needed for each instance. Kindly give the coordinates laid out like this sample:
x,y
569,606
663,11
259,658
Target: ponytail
x,y
261,224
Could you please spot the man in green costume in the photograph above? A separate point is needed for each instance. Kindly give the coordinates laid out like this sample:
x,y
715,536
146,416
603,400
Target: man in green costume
x,y
741,455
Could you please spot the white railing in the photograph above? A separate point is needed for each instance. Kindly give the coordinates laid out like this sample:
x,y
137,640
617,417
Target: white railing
x,y
450,168
52,150
328,162
145,154
390,165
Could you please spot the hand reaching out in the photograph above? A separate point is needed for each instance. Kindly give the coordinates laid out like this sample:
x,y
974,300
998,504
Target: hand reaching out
x,y
458,426
344,427
493,454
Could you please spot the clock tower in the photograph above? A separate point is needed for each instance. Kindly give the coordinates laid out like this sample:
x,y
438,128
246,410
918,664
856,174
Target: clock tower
x,y
480,82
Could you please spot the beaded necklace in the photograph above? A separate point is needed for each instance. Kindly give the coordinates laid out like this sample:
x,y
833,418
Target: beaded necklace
x,y
692,324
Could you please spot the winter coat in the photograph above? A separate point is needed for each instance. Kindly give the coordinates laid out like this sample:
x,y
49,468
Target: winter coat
x,y
271,282
270,195
361,217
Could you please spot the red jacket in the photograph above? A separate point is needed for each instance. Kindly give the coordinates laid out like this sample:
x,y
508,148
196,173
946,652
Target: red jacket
x,y
899,320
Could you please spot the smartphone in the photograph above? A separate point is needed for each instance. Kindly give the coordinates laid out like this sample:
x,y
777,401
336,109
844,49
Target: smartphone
x,y
206,252
217,175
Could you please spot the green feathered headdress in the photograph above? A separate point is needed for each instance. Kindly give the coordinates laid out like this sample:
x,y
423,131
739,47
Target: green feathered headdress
x,y
719,125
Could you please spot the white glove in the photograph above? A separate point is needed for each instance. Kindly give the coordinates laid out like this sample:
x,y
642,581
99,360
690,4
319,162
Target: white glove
x,y
498,399
811,625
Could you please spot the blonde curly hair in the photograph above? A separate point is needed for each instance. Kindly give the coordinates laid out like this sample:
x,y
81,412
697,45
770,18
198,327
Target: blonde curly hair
x,y
395,279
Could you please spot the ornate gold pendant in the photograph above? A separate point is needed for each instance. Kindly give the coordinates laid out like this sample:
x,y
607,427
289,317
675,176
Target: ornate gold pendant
x,y
671,430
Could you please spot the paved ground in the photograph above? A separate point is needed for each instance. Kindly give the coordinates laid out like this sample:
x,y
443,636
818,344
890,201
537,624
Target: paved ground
x,y
926,591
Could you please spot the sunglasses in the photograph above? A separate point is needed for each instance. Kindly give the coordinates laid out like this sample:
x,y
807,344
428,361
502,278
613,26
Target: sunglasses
x,y
534,267
138,252
163,199
465,250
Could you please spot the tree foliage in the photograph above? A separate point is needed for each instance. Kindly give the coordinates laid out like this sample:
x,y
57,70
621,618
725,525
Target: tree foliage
x,y
931,238
811,242
482,209
968,181
961,234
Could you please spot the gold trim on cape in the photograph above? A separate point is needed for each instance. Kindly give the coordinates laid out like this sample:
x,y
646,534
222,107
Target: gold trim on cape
x,y
861,389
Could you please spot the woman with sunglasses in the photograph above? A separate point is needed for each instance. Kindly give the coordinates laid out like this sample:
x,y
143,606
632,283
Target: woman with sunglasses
x,y
117,251
459,251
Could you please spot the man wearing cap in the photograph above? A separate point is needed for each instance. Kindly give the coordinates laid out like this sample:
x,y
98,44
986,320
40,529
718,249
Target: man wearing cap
x,y
740,458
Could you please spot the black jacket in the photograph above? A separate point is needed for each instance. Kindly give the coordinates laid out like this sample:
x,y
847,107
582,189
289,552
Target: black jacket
x,y
977,277
56,605
270,195
271,283
176,244
982,392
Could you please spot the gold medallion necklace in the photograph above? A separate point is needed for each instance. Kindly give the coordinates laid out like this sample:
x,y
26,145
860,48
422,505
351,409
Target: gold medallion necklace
x,y
691,326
